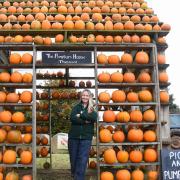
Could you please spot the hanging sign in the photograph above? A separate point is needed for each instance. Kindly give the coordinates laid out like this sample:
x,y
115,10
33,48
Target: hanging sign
x,y
170,164
67,57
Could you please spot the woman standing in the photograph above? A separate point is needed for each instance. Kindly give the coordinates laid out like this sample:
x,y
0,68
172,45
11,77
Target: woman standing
x,y
83,117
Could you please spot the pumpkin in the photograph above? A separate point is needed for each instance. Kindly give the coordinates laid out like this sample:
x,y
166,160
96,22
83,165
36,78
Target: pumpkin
x,y
123,116
149,136
1,176
118,136
2,97
117,39
27,58
137,175
123,174
164,97
165,27
161,59
144,77
109,116
105,136
135,156
44,140
136,116
141,57
44,151
38,40
12,175
149,115
18,117
110,128
129,77
135,39
27,177
16,77
116,77
113,59
135,135
12,98
110,156
118,96
150,155
104,77
15,58
27,138
145,39
122,156
106,176
90,25
4,77
109,39
1,156
104,97
102,59
9,157
27,78
127,38
92,165
129,25
26,97
68,25
47,41
59,38
145,96
163,77
14,136
99,38
3,135
26,157
80,25
132,97
152,175
5,116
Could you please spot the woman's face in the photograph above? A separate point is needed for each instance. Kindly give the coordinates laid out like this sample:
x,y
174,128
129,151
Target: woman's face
x,y
85,97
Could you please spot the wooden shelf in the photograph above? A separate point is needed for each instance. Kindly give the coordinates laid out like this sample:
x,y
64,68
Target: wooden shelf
x,y
117,85
15,124
20,144
135,66
130,144
129,104
17,85
16,104
129,123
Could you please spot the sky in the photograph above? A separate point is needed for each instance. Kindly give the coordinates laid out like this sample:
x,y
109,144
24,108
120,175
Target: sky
x,y
168,12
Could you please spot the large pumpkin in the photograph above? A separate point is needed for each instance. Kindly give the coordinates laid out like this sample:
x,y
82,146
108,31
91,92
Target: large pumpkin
x,y
122,156
18,117
12,98
14,136
106,176
12,176
144,77
109,116
110,156
149,115
164,97
5,116
141,57
137,175
26,157
132,97
16,77
27,177
123,174
3,135
102,59
163,77
149,136
104,77
136,116
135,135
150,155
15,58
123,116
118,136
126,58
116,77
104,97
27,58
113,59
152,175
105,136
27,138
4,77
27,78
9,157
129,77
145,96
118,96
26,97
136,156
2,97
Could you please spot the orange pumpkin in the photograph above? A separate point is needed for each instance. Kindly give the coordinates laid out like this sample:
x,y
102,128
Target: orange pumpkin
x,y
150,155
149,136
135,156
102,59
47,41
106,176
59,38
16,77
68,25
27,177
104,97
122,156
12,98
110,156
164,97
135,135
161,59
105,136
9,157
118,96
27,78
1,156
15,58
141,57
5,116
4,77
123,116
27,138
14,136
163,77
137,175
2,97
118,136
18,117
3,135
136,116
109,116
152,175
144,77
123,174
149,115
26,157
145,96
129,77
1,176
116,77
26,97
104,77
113,59
132,97
44,140
27,58
129,25
12,175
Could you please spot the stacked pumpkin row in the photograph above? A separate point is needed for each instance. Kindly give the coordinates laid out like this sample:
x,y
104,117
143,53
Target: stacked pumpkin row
x,y
119,96
14,175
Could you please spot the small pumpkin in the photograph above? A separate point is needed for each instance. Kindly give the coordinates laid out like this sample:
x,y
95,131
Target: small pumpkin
x,y
136,156
136,116
12,98
27,138
104,97
135,135
163,77
14,136
5,116
4,77
109,116
164,97
132,97
145,96
16,77
137,175
3,135
105,136
2,97
123,174
26,97
144,77
129,77
150,155
106,176
141,57
15,58
9,157
152,175
149,136
27,58
26,157
116,77
118,96
102,59
104,77
27,177
113,59
149,115
122,156
110,156
118,136
12,175
123,116
27,78
18,117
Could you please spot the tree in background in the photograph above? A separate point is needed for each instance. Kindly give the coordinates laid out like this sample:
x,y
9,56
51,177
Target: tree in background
x,y
173,108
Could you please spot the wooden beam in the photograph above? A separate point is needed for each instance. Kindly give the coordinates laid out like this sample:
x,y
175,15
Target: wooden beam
x,y
4,57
